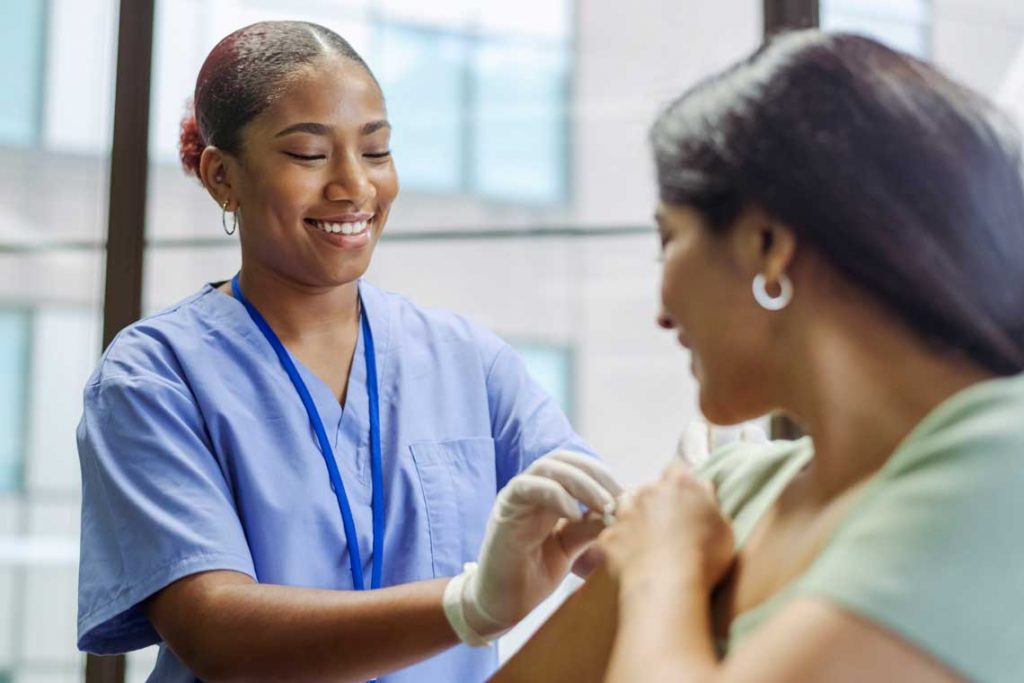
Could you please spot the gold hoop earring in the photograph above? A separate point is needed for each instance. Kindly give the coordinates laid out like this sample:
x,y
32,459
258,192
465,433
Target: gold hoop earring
x,y
223,219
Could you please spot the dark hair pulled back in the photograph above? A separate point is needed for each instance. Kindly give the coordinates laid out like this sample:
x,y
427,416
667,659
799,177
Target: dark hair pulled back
x,y
907,182
243,75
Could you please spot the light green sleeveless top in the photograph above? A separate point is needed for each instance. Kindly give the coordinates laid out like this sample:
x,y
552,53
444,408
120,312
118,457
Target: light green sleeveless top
x,y
933,547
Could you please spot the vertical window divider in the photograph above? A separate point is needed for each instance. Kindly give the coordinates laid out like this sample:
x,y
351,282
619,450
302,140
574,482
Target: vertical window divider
x,y
779,16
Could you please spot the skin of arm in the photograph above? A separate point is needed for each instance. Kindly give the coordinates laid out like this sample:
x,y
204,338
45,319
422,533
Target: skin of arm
x,y
659,595
226,627
810,640
574,644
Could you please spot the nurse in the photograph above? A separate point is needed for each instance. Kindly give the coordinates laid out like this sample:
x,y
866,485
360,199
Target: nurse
x,y
255,455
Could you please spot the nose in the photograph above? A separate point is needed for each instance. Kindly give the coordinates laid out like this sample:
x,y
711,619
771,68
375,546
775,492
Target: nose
x,y
665,321
350,182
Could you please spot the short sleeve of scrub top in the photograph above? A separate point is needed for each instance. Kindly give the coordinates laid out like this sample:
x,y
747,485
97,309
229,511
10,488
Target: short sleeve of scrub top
x,y
197,454
931,550
159,507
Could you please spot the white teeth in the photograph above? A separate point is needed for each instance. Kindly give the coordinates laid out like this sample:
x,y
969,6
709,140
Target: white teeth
x,y
342,228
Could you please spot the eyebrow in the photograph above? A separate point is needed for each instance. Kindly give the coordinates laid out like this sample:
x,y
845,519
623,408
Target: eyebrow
x,y
374,126
320,129
308,127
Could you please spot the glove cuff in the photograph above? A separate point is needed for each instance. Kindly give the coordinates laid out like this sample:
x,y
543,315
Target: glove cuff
x,y
454,602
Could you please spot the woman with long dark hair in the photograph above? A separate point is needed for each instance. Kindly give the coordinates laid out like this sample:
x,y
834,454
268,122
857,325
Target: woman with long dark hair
x,y
843,239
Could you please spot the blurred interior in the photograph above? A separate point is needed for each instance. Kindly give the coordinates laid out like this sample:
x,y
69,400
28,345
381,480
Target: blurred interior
x,y
527,195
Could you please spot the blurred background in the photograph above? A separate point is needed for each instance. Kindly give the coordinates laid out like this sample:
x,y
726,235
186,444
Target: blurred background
x,y
527,194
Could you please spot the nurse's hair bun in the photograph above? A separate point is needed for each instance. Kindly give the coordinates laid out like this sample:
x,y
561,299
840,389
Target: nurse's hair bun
x,y
190,143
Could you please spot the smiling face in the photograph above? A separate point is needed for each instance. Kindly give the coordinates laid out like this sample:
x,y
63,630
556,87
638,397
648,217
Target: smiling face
x,y
706,298
315,179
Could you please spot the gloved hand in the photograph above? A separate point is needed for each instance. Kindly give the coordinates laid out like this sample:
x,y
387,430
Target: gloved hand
x,y
535,532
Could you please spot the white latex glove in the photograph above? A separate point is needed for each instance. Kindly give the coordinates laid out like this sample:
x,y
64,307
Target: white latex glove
x,y
535,533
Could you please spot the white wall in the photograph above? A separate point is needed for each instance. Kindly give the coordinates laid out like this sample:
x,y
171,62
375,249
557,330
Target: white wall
x,y
977,41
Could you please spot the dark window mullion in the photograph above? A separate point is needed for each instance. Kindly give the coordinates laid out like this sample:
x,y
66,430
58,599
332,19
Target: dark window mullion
x,y
784,15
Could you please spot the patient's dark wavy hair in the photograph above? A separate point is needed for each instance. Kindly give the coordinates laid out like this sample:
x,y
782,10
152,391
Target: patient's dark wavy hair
x,y
906,181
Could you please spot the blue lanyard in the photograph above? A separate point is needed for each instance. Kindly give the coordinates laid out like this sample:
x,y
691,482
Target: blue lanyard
x,y
325,445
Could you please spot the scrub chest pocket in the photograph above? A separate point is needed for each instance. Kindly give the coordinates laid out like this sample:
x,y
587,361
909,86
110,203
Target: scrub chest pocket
x,y
459,486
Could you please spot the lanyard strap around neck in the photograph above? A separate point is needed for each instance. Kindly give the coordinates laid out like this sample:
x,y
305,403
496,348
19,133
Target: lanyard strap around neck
x,y
325,445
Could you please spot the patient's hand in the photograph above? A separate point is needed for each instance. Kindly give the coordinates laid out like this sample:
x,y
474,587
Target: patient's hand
x,y
669,530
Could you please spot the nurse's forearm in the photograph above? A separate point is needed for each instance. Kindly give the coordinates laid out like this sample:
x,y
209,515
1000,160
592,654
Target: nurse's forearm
x,y
226,627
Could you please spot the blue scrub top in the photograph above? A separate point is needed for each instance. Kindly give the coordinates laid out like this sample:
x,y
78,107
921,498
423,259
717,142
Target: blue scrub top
x,y
197,454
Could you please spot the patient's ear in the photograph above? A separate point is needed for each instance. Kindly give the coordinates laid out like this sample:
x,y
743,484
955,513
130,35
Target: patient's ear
x,y
761,244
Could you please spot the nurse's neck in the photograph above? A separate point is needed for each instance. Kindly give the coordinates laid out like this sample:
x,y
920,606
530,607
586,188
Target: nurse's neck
x,y
298,312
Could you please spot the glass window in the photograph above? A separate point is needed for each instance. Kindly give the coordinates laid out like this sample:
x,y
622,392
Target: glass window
x,y
551,367
55,128
448,14
902,24
536,18
521,140
79,76
179,46
421,73
14,368
21,51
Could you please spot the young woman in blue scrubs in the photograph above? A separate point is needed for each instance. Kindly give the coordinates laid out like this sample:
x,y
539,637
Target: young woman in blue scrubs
x,y
256,454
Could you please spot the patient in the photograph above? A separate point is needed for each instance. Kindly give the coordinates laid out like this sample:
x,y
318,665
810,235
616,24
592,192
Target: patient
x,y
843,236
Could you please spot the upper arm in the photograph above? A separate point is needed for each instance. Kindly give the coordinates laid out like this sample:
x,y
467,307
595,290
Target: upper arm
x,y
814,641
175,609
155,507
